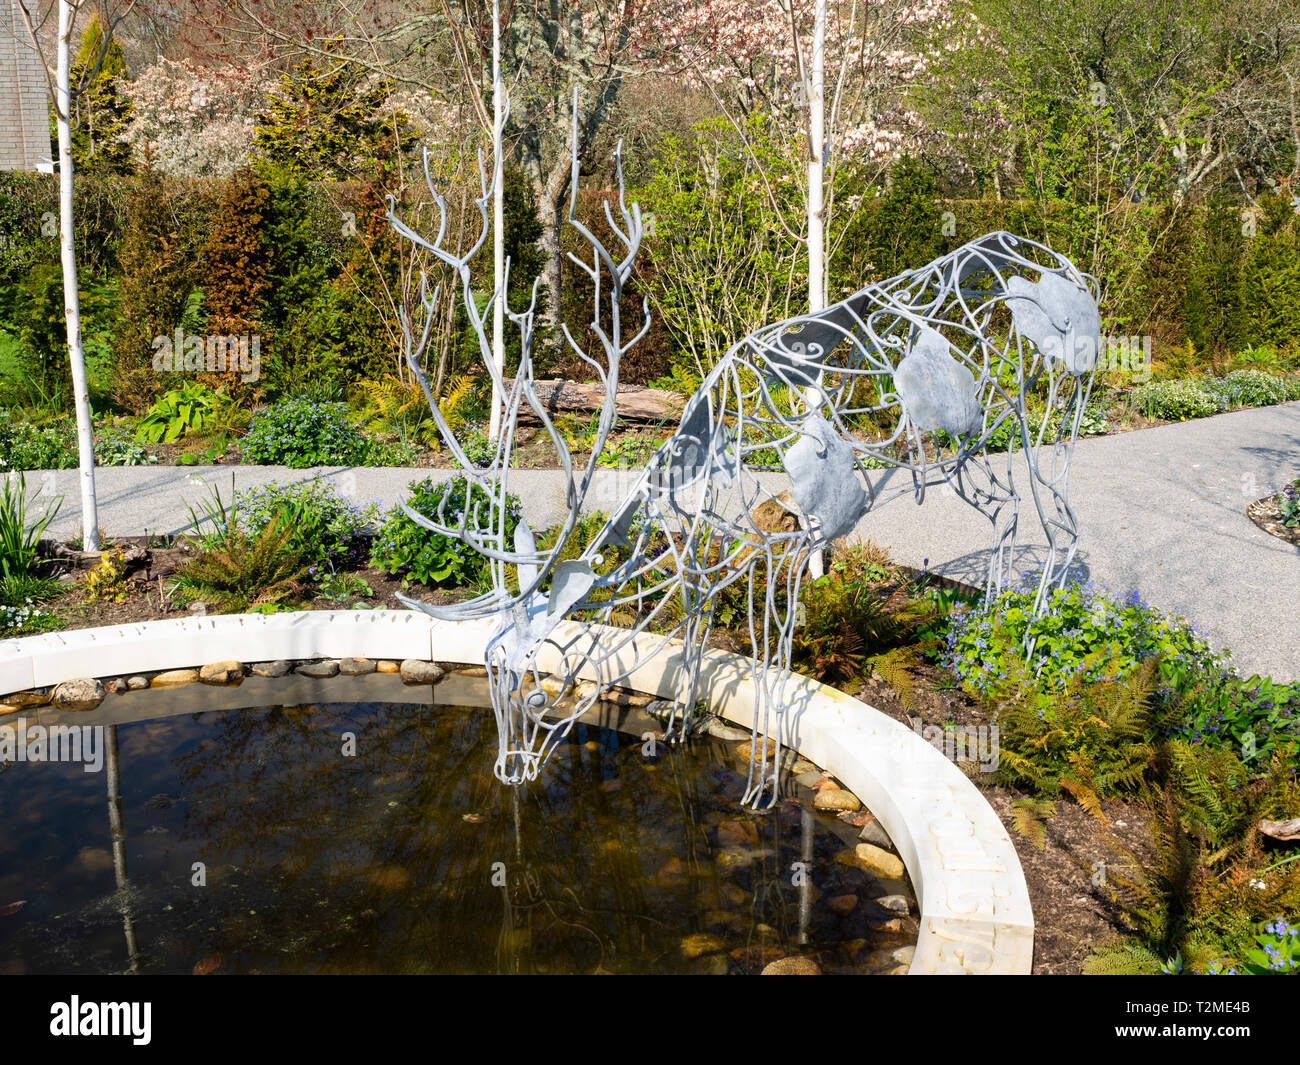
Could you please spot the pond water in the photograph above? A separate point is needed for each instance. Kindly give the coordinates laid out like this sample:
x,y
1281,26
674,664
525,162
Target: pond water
x,y
370,836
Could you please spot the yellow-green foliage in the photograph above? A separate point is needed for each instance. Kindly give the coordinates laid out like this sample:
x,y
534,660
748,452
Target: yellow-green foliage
x,y
105,581
1031,816
895,667
391,405
849,625
1212,879
1122,959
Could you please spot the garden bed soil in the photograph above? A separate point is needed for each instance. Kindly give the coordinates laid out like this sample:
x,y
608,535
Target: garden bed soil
x,y
1074,910
1265,514
148,599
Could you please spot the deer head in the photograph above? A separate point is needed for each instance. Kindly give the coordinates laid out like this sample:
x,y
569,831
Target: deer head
x,y
526,709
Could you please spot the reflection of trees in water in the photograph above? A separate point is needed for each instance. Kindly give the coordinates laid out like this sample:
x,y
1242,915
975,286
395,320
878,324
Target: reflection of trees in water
x,y
117,834
372,852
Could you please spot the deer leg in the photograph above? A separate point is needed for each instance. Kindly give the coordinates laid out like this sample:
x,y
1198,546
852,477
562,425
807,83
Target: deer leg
x,y
695,637
993,494
1051,497
772,672
1061,527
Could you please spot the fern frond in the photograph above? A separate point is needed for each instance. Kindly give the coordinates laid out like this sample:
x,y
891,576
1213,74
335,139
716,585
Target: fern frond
x,y
1085,797
895,669
1122,959
1030,816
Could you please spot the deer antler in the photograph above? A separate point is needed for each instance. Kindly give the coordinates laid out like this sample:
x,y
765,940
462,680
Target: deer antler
x,y
534,567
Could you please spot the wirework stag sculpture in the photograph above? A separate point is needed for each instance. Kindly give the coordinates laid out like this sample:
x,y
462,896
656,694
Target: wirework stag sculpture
x,y
943,357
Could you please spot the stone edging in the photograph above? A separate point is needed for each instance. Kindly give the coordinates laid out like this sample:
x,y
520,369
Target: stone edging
x,y
975,912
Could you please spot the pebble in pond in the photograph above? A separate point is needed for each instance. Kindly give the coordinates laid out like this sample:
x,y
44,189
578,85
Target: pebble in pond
x,y
356,667
893,903
329,667
83,694
879,861
702,943
836,799
229,672
873,833
278,668
792,966
24,701
417,671
720,730
175,678
842,905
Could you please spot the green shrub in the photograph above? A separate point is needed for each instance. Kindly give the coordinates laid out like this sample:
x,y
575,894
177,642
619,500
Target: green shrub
x,y
117,446
1176,401
26,619
1247,388
1270,285
1252,716
1088,739
235,571
20,589
24,446
1288,504
1276,950
1083,633
299,433
473,440
847,623
325,527
402,547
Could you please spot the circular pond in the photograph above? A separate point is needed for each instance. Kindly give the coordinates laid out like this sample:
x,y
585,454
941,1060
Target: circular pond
x,y
296,825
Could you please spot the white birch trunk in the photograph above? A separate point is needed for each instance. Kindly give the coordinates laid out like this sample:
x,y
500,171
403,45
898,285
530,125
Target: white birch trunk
x,y
72,306
816,201
498,230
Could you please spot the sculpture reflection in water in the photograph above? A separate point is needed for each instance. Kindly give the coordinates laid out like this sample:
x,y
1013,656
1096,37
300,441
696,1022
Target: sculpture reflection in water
x,y
917,373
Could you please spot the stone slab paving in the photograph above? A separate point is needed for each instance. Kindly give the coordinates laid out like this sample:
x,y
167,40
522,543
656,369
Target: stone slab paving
x,y
1161,511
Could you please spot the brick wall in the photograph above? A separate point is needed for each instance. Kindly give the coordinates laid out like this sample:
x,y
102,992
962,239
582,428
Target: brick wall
x,y
24,106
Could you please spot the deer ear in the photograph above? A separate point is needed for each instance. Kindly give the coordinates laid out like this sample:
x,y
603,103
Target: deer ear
x,y
569,583
525,545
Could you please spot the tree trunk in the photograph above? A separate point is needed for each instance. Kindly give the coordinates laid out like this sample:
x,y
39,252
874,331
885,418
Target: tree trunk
x,y
71,303
552,196
498,226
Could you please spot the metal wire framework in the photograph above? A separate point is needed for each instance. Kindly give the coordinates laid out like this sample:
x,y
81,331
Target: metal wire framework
x,y
946,355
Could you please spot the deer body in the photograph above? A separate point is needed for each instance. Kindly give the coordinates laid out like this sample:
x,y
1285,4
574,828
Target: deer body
x,y
944,355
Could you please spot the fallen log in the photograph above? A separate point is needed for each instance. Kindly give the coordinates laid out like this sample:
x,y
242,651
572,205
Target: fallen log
x,y
638,403
1282,830
155,561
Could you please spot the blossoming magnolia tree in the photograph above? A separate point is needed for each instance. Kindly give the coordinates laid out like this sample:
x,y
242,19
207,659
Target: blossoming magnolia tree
x,y
833,77
197,121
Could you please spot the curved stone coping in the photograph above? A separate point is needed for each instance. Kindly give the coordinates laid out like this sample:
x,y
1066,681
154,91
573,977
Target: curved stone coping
x,y
975,912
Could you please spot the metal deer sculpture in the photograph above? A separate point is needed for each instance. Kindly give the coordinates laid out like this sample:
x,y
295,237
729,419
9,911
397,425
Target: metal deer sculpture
x,y
947,354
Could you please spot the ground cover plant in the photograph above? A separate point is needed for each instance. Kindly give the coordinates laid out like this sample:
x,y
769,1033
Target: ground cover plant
x,y
404,548
300,433
1117,701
